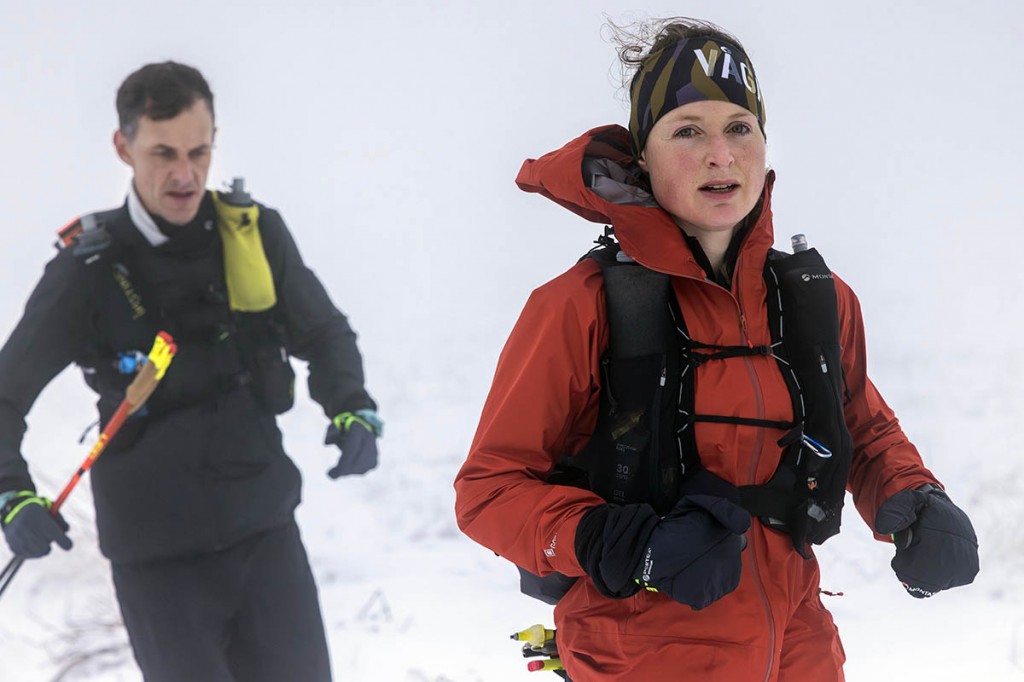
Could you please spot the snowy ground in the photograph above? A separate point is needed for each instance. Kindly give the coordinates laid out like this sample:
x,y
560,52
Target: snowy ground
x,y
389,134
408,599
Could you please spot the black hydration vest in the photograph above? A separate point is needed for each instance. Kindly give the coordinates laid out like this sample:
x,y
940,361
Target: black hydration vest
x,y
643,446
221,349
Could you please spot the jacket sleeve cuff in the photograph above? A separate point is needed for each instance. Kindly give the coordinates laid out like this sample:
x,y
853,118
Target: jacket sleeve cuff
x,y
914,484
16,484
609,544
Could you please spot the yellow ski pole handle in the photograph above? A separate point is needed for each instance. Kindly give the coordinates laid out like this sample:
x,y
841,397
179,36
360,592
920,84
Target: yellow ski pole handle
x,y
145,382
535,635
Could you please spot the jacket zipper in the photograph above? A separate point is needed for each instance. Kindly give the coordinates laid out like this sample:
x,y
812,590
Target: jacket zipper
x,y
755,569
755,460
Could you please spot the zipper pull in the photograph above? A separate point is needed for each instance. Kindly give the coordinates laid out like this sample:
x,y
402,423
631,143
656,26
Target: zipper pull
x,y
661,382
824,367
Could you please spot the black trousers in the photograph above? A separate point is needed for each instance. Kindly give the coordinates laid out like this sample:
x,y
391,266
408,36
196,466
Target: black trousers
x,y
249,613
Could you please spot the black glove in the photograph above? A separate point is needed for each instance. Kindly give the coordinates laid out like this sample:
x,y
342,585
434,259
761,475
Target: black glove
x,y
355,434
936,547
29,527
693,554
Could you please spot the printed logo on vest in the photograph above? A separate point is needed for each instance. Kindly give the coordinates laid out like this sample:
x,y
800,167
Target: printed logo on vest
x,y
134,300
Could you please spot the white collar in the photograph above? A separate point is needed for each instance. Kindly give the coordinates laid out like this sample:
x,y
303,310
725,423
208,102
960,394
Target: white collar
x,y
144,222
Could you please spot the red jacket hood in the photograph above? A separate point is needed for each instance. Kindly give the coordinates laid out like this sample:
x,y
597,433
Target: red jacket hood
x,y
591,176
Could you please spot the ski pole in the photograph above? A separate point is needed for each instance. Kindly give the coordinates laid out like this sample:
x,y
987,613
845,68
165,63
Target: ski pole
x,y
537,641
535,636
136,395
549,664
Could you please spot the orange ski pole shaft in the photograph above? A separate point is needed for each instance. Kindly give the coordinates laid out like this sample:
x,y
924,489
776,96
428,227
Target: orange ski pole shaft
x,y
142,386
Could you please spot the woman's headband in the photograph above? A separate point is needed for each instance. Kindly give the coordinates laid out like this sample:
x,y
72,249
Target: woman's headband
x,y
692,70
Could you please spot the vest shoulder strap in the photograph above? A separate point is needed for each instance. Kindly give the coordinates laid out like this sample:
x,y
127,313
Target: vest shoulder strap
x,y
87,236
637,303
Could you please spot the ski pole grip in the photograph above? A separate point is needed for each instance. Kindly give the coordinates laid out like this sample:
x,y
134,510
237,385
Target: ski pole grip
x,y
162,353
157,362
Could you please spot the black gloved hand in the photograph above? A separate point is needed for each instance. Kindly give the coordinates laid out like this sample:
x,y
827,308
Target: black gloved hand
x,y
29,528
693,554
355,434
936,547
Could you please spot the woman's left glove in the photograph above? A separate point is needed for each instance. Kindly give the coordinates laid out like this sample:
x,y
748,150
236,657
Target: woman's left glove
x,y
355,434
936,547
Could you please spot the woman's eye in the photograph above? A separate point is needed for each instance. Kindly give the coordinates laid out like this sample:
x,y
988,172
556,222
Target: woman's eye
x,y
741,128
685,132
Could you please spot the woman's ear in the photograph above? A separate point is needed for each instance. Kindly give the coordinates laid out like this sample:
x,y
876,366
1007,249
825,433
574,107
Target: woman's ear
x,y
642,162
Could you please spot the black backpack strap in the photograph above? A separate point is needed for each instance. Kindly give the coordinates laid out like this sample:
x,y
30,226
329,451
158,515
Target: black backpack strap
x,y
633,455
806,493
88,237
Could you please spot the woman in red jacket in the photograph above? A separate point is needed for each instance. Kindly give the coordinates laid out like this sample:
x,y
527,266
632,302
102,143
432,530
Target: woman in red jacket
x,y
709,585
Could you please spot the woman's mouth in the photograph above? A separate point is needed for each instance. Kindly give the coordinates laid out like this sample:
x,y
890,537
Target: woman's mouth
x,y
719,187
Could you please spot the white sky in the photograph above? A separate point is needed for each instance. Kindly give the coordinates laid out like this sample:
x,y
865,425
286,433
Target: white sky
x,y
389,135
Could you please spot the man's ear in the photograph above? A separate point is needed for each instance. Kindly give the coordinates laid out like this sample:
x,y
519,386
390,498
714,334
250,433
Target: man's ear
x,y
121,145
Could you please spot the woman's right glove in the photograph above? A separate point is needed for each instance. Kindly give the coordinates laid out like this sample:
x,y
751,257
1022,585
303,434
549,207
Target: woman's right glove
x,y
692,554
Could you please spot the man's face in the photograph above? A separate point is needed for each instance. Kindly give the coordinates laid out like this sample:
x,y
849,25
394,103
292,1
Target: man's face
x,y
171,159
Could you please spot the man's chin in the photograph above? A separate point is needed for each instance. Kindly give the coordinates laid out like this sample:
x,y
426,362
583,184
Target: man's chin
x,y
180,217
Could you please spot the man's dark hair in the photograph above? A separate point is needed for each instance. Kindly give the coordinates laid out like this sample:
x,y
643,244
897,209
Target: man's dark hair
x,y
159,92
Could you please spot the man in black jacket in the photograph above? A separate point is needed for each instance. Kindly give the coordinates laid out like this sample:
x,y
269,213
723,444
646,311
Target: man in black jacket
x,y
195,496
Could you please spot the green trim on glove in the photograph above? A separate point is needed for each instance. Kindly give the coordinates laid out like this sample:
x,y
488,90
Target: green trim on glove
x,y
368,419
14,503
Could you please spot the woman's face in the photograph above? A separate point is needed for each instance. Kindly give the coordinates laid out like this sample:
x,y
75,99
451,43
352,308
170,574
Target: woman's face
x,y
707,165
